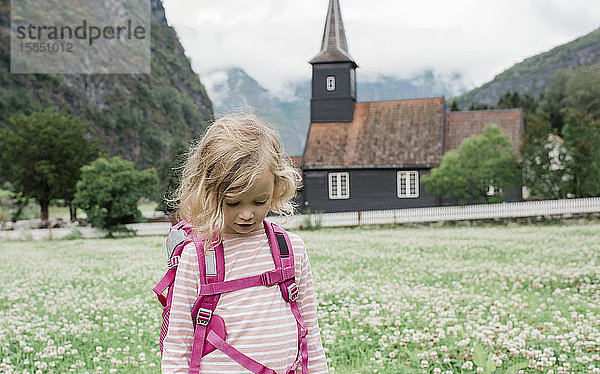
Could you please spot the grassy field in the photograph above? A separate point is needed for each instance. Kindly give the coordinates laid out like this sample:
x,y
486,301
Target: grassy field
x,y
401,300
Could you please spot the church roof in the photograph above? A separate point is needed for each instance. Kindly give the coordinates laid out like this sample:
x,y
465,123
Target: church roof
x,y
334,47
461,125
383,134
401,134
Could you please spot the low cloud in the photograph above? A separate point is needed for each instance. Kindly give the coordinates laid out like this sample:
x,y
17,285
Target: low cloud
x,y
273,40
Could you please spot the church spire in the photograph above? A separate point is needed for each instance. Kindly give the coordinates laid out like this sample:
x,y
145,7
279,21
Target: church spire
x,y
333,73
334,47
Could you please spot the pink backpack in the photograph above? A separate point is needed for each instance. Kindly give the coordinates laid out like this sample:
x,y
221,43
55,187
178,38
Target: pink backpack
x,y
209,328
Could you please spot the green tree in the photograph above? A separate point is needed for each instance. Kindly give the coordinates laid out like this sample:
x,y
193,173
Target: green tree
x,y
41,155
582,91
479,106
454,106
512,100
545,159
481,162
578,90
582,142
552,99
109,191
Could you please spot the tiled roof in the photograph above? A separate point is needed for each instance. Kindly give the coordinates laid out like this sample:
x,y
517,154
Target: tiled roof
x,y
461,125
399,133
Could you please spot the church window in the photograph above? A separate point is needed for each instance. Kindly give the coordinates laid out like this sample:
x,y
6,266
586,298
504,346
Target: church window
x,y
330,83
408,184
339,185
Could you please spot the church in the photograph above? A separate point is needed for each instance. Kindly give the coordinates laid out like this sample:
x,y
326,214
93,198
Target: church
x,y
371,155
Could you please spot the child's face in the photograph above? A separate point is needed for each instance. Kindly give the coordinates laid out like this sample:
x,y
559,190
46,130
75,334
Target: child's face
x,y
247,213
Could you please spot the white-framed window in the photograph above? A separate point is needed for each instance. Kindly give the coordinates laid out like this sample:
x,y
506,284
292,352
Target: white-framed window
x,y
330,83
408,184
339,185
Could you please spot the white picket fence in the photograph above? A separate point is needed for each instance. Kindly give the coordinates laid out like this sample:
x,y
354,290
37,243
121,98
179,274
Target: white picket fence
x,y
544,208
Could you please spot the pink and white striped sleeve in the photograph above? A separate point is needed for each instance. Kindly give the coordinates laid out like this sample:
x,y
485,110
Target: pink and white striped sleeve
x,y
177,345
307,303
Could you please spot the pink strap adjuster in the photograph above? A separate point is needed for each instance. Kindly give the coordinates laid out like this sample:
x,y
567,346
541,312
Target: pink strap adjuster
x,y
173,262
204,316
293,291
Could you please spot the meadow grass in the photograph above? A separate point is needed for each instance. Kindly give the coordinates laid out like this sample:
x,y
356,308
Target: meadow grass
x,y
394,300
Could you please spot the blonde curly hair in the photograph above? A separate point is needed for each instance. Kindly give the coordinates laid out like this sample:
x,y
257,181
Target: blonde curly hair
x,y
231,155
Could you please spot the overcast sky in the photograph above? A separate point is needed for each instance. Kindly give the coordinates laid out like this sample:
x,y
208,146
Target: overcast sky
x,y
272,40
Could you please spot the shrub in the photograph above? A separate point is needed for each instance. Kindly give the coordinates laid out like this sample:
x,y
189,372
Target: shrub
x,y
109,191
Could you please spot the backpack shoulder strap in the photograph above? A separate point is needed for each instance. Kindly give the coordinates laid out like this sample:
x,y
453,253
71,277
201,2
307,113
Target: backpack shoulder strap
x,y
211,267
283,256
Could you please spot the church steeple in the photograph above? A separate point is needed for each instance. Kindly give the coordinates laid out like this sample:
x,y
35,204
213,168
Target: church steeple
x,y
333,73
334,47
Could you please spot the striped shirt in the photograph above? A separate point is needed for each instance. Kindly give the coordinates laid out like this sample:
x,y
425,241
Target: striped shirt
x,y
259,323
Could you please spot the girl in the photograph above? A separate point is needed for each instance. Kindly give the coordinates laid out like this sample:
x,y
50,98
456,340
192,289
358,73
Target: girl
x,y
231,180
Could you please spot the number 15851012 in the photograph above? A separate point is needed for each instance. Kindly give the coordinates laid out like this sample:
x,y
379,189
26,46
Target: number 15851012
x,y
46,47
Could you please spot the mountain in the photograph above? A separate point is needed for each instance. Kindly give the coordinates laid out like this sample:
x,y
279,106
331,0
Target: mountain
x,y
532,74
232,88
143,118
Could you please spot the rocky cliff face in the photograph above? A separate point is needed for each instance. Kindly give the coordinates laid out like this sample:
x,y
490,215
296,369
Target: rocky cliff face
x,y
532,74
142,118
